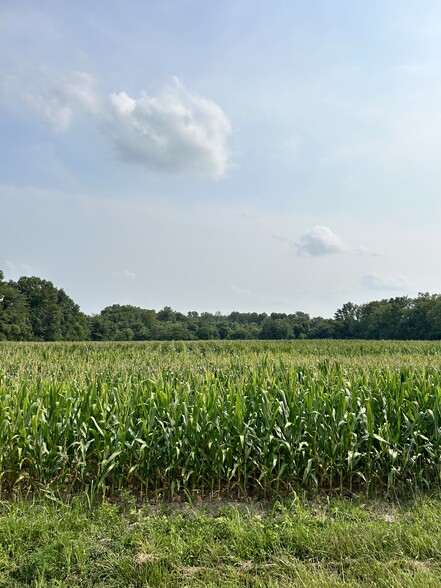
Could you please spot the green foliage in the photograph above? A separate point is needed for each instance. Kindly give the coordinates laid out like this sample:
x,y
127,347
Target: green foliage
x,y
34,309
14,319
220,417
124,323
44,312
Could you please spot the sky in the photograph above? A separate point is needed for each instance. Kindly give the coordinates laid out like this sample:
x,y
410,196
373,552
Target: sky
x,y
216,156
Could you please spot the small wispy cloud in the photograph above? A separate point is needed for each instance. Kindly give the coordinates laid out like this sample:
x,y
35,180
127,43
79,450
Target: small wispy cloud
x,y
284,239
52,111
366,252
19,268
60,97
320,240
374,281
125,274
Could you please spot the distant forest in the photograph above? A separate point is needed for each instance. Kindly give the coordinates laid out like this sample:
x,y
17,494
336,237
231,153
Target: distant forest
x,y
33,309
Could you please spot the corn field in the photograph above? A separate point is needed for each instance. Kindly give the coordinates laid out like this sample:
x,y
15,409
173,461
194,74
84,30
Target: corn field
x,y
222,418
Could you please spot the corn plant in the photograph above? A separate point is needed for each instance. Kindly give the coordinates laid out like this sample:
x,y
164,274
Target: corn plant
x,y
232,418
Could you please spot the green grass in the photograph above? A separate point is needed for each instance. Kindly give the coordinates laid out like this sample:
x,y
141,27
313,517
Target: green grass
x,y
231,419
321,544
95,438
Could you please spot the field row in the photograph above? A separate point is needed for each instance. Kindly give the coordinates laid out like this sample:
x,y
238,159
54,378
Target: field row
x,y
220,418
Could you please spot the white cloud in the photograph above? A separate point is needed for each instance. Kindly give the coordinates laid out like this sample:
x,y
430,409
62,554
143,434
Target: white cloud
x,y
284,239
366,252
126,274
175,132
375,282
19,269
80,88
52,111
10,265
319,241
56,103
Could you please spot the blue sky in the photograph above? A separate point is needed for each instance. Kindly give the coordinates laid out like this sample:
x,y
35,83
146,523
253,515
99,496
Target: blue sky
x,y
234,155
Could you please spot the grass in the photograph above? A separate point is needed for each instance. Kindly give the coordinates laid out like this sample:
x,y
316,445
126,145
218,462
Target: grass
x,y
320,544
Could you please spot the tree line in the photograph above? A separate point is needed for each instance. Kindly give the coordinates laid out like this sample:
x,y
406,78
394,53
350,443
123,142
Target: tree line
x,y
33,309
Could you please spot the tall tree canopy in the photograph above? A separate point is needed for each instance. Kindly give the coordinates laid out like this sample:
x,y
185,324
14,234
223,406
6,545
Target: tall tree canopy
x,y
34,309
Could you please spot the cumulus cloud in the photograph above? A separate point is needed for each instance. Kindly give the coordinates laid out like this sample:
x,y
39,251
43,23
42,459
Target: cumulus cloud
x,y
125,274
176,132
56,102
319,241
375,282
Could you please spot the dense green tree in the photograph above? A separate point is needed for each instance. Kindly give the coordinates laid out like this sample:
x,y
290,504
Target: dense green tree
x,y
173,331
124,323
422,318
34,309
102,329
52,315
371,319
244,332
267,328
44,312
14,316
207,328
347,321
300,325
433,322
74,325
384,319
321,328
166,314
